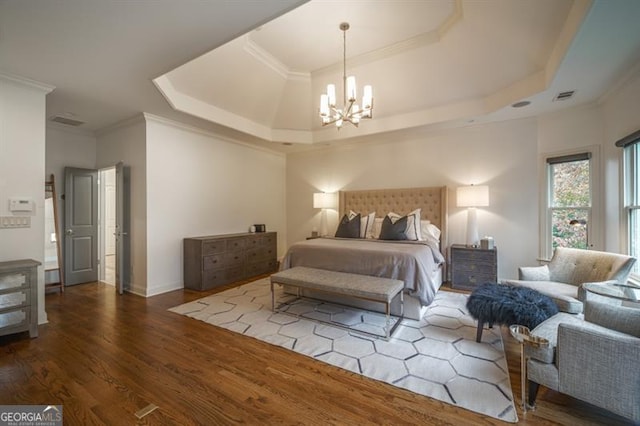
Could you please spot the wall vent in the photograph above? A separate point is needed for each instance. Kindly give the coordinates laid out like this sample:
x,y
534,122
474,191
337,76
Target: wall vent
x,y
563,96
67,121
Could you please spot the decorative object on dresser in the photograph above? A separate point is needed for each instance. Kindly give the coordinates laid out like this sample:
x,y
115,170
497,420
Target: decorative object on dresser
x,y
471,197
19,297
471,266
217,260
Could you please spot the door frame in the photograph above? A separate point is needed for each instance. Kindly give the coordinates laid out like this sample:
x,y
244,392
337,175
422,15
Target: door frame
x,y
122,241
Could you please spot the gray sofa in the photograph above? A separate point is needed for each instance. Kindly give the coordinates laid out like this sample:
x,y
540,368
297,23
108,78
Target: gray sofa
x,y
568,269
594,360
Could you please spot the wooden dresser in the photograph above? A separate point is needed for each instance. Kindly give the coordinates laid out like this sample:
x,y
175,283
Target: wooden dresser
x,y
471,266
19,297
223,259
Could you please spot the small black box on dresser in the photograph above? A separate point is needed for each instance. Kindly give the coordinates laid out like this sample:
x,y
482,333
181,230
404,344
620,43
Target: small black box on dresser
x,y
218,260
472,266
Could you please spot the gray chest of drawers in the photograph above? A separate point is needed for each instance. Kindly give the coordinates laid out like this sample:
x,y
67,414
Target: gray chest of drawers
x,y
19,297
217,260
472,266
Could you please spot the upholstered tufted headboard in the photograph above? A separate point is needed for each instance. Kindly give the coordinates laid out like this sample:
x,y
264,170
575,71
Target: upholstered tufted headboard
x,y
432,200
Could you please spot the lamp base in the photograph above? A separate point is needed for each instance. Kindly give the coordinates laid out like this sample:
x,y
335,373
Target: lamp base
x,y
472,227
323,223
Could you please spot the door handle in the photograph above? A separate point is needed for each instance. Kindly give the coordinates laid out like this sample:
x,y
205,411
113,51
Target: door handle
x,y
69,232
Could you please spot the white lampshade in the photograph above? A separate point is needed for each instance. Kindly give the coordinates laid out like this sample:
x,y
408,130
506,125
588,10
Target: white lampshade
x,y
472,196
324,200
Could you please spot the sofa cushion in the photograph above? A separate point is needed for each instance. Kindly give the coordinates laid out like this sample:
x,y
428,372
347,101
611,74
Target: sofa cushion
x,y
564,295
577,266
534,273
619,318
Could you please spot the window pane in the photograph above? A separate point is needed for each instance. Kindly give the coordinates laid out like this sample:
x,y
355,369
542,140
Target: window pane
x,y
634,236
570,184
569,228
633,181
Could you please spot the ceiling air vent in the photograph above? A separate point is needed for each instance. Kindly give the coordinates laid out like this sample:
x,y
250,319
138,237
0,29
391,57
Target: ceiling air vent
x,y
65,120
563,96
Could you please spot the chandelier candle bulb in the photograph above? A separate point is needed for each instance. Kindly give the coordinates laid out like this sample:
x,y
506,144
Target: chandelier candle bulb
x,y
351,88
331,95
324,105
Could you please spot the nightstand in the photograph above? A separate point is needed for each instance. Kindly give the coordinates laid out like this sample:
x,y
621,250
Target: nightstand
x,y
472,266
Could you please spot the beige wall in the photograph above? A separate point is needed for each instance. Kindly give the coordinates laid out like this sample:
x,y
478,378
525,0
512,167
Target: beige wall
x,y
200,184
22,170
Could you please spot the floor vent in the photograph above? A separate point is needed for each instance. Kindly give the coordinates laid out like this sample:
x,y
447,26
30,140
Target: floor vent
x,y
563,96
67,121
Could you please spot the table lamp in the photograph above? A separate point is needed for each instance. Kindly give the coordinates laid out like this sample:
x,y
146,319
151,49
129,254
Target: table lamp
x,y
472,196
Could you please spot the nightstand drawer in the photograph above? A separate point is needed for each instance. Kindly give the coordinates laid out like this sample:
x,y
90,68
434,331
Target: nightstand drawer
x,y
472,266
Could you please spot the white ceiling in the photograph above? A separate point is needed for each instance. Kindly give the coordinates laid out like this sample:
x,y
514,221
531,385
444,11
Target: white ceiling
x,y
232,67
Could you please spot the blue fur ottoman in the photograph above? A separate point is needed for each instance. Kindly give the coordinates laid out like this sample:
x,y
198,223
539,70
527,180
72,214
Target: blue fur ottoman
x,y
506,305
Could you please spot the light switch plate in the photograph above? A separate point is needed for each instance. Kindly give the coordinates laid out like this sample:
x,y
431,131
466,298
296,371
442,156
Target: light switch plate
x,y
12,222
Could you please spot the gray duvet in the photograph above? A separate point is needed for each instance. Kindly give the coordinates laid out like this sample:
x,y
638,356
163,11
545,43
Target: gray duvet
x,y
415,262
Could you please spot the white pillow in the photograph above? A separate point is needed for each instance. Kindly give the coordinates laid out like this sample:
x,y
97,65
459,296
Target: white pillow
x,y
429,232
413,224
377,227
429,229
366,223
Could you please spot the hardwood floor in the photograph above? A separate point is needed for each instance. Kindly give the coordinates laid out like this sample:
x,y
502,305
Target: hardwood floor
x,y
104,357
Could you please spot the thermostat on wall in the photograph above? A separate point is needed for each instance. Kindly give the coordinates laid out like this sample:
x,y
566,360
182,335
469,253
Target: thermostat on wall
x,y
20,204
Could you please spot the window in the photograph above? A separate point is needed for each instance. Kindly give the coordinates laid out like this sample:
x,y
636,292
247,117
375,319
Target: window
x,y
569,201
631,164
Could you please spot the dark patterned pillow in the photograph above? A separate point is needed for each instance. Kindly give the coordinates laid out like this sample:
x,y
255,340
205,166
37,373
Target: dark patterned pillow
x,y
349,228
394,230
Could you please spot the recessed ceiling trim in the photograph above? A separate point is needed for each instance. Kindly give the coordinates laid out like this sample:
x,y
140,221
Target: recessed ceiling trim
x,y
265,57
272,62
575,19
402,46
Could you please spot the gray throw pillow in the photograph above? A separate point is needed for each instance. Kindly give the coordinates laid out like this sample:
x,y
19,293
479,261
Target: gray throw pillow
x,y
393,231
349,228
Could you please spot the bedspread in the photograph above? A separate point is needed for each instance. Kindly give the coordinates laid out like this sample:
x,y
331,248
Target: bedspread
x,y
416,263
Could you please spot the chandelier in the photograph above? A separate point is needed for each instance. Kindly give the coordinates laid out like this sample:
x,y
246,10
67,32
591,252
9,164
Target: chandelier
x,y
350,110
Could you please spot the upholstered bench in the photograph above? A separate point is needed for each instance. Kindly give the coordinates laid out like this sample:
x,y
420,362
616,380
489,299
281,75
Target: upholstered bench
x,y
376,289
507,305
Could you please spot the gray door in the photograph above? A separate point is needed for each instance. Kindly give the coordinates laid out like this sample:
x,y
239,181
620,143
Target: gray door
x,y
80,225
123,264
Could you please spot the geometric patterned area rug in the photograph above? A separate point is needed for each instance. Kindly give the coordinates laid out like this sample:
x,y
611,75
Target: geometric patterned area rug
x,y
437,356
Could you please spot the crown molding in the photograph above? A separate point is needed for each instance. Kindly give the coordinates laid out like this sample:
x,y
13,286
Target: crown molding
x,y
27,82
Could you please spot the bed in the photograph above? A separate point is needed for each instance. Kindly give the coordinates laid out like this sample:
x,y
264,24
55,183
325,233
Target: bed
x,y
420,264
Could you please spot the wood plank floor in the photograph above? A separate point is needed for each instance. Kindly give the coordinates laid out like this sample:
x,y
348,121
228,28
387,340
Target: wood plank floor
x,y
104,357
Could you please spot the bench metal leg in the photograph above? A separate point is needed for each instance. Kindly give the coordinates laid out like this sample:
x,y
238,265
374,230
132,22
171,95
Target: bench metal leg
x,y
273,299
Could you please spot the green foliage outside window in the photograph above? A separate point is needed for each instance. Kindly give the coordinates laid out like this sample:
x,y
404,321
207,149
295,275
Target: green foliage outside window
x,y
570,201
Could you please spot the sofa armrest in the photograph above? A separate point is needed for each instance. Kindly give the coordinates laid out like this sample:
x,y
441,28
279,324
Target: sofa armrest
x,y
534,273
619,318
600,366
